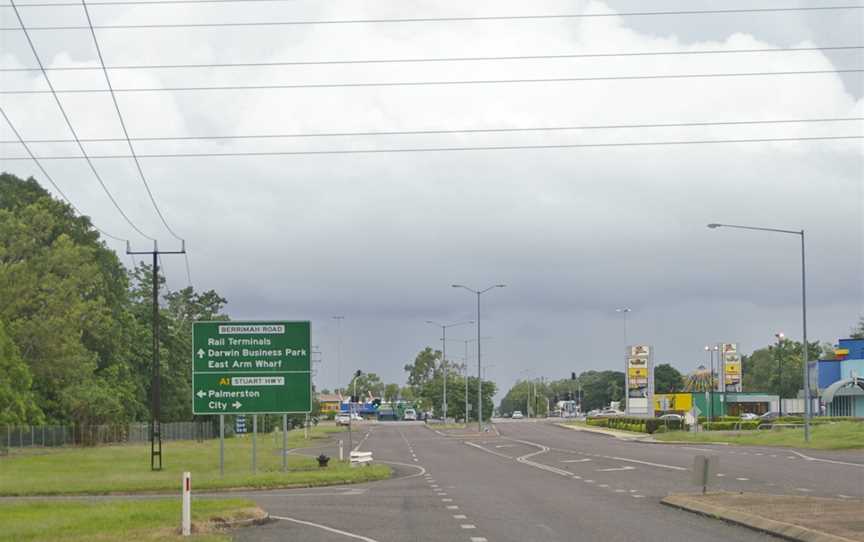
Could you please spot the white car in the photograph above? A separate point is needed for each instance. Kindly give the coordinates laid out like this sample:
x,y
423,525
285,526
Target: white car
x,y
749,416
517,415
343,419
410,415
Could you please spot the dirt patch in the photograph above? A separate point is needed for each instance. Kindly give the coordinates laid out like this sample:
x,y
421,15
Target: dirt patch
x,y
838,517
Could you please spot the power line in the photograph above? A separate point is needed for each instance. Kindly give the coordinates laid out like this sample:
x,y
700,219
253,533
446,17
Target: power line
x,y
440,59
453,131
71,128
447,19
138,3
123,124
435,83
51,179
449,149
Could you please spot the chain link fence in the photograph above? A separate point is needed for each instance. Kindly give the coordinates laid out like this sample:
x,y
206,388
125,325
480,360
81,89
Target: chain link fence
x,y
30,436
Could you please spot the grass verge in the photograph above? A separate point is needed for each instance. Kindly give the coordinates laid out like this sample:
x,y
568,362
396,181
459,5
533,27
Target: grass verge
x,y
126,468
828,436
118,520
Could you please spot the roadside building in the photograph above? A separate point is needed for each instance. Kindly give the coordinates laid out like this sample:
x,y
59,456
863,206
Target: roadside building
x,y
717,403
841,380
329,403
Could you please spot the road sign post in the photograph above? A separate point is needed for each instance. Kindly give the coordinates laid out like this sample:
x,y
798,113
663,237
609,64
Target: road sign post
x,y
250,368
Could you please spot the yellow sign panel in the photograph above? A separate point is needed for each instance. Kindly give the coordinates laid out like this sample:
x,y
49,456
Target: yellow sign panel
x,y
733,367
638,372
665,402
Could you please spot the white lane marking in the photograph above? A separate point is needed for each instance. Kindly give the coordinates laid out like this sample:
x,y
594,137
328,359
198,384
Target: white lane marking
x,y
478,539
577,477
758,453
433,486
589,481
487,450
575,460
633,490
422,471
459,516
505,445
620,491
721,475
452,507
468,526
447,500
742,479
773,455
791,457
804,489
662,466
415,459
442,494
638,496
844,496
325,528
603,485
808,458
613,469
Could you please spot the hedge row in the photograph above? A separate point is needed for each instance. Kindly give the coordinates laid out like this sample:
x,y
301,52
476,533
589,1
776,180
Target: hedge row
x,y
749,425
639,425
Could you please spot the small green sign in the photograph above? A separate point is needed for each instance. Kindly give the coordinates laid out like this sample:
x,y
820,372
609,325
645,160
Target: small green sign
x,y
251,368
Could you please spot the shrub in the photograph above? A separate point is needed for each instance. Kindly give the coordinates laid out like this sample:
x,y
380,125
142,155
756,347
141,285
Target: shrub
x,y
731,426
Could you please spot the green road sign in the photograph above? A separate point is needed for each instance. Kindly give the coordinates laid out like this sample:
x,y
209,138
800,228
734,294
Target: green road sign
x,y
251,368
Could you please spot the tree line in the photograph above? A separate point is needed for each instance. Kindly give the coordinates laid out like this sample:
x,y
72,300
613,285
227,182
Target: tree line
x,y
75,324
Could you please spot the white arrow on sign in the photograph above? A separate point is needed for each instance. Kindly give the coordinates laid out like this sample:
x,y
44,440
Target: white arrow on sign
x,y
201,394
236,404
200,353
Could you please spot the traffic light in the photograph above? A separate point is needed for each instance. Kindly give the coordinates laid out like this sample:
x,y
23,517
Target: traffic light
x,y
358,373
355,398
573,376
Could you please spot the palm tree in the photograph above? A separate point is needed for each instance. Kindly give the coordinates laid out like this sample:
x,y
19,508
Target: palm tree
x,y
700,380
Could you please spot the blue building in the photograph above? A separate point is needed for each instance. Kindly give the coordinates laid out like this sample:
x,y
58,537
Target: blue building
x,y
841,380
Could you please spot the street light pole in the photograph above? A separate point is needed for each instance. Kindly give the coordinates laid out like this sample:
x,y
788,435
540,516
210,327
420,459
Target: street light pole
x,y
623,311
338,351
803,313
444,357
479,362
779,372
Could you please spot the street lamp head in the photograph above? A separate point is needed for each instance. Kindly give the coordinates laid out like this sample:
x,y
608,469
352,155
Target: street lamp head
x,y
500,285
780,335
623,309
714,225
707,348
457,286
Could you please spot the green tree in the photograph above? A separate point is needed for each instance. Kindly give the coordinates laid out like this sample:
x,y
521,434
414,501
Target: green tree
x,y
391,393
667,379
17,401
423,369
366,384
62,297
858,331
761,372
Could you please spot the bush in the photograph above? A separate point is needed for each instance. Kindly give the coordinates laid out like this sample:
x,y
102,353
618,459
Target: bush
x,y
598,422
732,426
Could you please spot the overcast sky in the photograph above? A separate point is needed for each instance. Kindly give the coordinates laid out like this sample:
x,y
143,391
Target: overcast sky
x,y
573,232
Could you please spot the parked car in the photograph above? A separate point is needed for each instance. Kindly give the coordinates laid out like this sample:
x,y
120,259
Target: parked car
x,y
517,415
409,415
356,417
672,418
343,419
769,416
749,416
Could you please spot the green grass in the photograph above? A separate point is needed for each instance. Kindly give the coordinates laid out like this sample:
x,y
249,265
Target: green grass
x,y
71,520
829,436
126,468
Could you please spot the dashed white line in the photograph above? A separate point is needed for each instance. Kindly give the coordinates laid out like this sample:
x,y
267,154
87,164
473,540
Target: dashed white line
x,y
447,500
452,507
575,460
613,469
743,479
459,516
844,496
468,526
478,539
803,489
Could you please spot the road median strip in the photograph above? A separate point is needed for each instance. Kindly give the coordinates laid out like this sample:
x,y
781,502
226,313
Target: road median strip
x,y
816,519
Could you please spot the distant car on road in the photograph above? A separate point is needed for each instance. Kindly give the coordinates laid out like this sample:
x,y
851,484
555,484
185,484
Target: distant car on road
x,y
769,416
517,415
672,418
749,416
343,419
409,415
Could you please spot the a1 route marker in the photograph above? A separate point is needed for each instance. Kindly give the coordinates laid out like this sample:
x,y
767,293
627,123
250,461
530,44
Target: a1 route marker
x,y
251,368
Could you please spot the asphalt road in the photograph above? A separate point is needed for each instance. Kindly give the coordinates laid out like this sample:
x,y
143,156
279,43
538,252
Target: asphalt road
x,y
538,482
